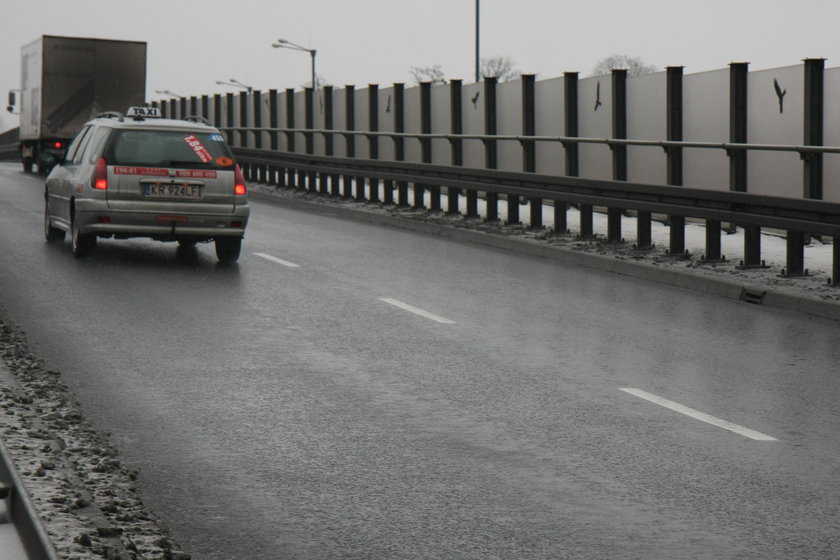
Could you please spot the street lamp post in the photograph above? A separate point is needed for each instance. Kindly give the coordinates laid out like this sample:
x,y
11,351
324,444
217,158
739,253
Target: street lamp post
x,y
167,92
235,83
284,44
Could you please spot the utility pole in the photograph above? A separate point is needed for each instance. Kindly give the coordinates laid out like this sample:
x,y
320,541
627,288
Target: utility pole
x,y
477,59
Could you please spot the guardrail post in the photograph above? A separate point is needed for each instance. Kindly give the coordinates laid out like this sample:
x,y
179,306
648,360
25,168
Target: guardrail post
x,y
529,149
674,121
273,140
259,170
329,140
619,153
291,173
835,265
399,141
456,144
350,117
309,137
490,148
373,140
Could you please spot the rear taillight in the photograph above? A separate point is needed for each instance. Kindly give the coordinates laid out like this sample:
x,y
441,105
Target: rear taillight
x,y
58,145
100,177
239,181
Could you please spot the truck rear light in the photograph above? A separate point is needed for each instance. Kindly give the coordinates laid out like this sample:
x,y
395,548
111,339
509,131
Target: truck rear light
x,y
100,176
58,145
239,181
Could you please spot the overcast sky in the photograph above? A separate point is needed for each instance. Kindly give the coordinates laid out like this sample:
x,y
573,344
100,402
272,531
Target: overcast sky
x,y
192,44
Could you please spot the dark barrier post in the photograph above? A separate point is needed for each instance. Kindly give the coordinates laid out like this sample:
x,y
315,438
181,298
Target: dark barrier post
x,y
183,103
570,112
259,171
205,107
812,161
456,144
193,110
426,128
738,79
619,153
229,110
217,110
835,265
399,142
350,139
373,140
329,140
529,148
273,139
674,131
425,107
243,118
490,149
309,137
173,108
291,176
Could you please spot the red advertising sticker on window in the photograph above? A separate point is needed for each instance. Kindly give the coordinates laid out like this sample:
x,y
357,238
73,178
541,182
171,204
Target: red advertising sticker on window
x,y
198,148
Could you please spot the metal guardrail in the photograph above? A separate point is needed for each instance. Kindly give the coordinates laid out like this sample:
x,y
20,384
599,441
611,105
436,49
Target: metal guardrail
x,y
36,542
799,217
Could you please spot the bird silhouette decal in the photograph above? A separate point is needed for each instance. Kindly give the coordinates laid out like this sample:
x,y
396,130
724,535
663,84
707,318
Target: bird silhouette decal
x,y
780,93
475,99
598,96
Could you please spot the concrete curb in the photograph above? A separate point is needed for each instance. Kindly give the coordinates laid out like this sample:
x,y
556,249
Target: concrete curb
x,y
679,278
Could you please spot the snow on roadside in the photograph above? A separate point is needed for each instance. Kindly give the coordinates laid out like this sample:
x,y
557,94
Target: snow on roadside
x,y
85,497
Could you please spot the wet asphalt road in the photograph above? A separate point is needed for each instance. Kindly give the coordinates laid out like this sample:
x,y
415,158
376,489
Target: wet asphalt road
x,y
298,412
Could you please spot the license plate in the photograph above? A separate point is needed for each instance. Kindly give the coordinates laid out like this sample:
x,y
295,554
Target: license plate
x,y
170,190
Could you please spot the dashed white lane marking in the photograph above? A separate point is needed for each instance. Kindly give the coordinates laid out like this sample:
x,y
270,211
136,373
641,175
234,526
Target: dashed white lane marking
x,y
697,415
278,261
418,311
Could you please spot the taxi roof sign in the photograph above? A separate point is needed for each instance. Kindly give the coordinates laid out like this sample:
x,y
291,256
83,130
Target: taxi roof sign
x,y
143,112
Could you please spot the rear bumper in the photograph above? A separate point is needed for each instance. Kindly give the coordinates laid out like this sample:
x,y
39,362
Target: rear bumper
x,y
94,216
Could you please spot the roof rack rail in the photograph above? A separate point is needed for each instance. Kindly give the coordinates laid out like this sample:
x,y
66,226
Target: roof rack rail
x,y
196,118
110,115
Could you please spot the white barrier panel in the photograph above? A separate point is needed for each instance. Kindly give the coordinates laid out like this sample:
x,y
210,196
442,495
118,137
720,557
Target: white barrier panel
x,y
706,119
775,100
646,120
831,162
595,121
550,115
509,122
473,124
441,123
413,152
386,122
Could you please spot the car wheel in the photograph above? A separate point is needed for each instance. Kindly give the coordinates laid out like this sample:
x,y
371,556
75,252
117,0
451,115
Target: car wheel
x,y
53,235
228,248
83,243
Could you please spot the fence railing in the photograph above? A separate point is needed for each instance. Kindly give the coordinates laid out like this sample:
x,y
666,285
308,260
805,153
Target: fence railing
x,y
9,141
360,179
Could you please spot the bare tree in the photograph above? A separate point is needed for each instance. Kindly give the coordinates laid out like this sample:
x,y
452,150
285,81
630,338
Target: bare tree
x,y
500,67
633,64
428,74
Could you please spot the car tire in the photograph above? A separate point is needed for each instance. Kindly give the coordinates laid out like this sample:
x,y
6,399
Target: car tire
x,y
83,243
52,234
228,249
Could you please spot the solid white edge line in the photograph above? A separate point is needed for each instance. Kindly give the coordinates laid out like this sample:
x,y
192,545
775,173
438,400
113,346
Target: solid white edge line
x,y
697,415
417,311
278,261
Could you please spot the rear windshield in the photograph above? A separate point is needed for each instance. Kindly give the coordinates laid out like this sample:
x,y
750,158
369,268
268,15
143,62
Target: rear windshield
x,y
169,148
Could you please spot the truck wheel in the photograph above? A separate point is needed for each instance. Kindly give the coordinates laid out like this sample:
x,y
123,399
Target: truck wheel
x,y
228,248
52,234
83,243
27,165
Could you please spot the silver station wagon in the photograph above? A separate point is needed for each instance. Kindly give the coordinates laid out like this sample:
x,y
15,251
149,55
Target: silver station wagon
x,y
138,175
